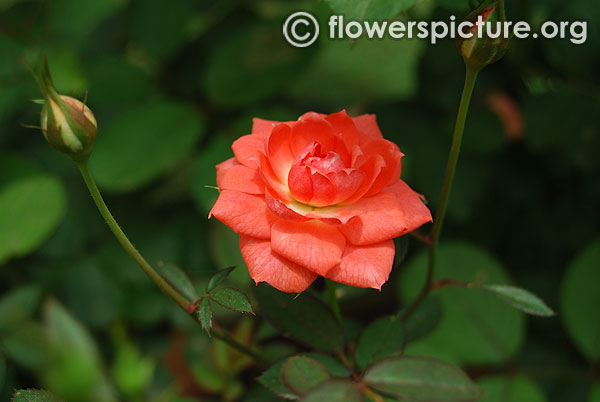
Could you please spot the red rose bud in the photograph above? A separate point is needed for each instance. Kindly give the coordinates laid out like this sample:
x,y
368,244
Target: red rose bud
x,y
67,123
489,42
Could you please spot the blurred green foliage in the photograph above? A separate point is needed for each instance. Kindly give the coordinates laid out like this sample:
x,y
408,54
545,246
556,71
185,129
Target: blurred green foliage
x,y
172,84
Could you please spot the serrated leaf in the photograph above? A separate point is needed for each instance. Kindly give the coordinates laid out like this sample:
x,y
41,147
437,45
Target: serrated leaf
x,y
424,320
179,280
205,315
301,374
33,395
218,277
335,391
232,299
367,10
579,296
520,299
381,339
18,305
271,379
30,209
422,379
303,318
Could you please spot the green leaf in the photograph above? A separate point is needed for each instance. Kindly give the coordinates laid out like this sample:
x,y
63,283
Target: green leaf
x,y
579,296
144,143
520,299
475,328
343,72
74,369
242,70
232,299
595,393
301,374
178,279
383,338
75,20
335,391
33,395
511,389
30,210
18,305
205,315
218,277
271,378
369,9
424,320
303,318
422,379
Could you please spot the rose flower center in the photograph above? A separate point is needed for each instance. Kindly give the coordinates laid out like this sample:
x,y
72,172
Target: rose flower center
x,y
320,178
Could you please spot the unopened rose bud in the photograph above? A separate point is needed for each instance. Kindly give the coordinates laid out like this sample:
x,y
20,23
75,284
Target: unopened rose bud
x,y
67,123
482,49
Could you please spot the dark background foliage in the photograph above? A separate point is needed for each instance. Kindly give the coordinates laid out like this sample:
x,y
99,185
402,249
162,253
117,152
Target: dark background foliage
x,y
173,83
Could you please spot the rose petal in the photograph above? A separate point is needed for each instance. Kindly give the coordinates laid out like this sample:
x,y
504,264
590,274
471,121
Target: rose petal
x,y
344,127
279,153
393,212
247,150
244,213
314,245
280,209
223,167
280,190
243,179
262,127
309,129
266,266
367,127
365,266
392,156
371,167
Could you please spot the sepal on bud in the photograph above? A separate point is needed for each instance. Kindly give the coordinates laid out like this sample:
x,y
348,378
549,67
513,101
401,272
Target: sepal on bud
x,y
482,50
67,123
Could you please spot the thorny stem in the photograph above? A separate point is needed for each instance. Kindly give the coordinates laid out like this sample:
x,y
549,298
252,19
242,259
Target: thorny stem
x,y
174,294
471,77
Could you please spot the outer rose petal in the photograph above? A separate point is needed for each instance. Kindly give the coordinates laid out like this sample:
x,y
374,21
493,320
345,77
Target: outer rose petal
x,y
266,266
262,127
344,126
367,127
366,266
223,167
243,179
393,212
244,213
313,245
247,150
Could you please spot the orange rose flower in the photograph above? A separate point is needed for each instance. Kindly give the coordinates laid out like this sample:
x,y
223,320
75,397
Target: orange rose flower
x,y
317,196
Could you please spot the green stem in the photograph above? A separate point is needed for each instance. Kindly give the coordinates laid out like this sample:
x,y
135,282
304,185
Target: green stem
x,y
440,214
158,280
333,300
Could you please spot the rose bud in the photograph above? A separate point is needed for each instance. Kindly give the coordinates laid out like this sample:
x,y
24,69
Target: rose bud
x,y
319,196
480,51
67,123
